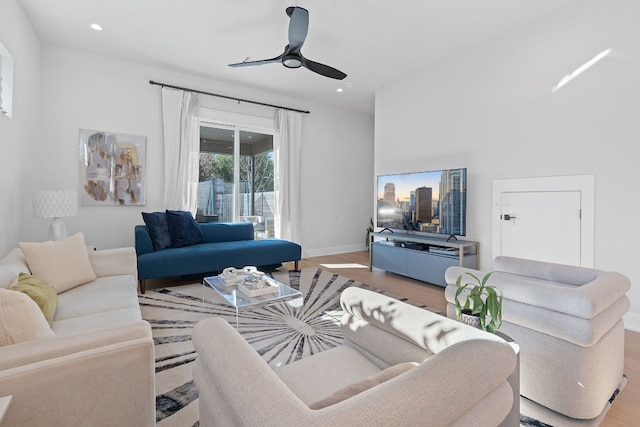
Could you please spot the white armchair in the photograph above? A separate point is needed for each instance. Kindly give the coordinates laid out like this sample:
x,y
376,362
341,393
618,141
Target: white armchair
x,y
567,321
459,379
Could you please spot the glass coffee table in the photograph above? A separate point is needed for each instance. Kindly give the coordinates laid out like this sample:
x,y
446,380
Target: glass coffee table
x,y
238,300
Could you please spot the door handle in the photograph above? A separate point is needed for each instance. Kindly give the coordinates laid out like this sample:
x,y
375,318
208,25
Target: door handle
x,y
507,217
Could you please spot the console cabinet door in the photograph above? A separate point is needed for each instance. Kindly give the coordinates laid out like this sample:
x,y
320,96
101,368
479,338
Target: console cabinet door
x,y
390,258
428,268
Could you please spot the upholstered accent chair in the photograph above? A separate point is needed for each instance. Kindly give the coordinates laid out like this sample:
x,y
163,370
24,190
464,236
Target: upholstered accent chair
x,y
399,365
567,321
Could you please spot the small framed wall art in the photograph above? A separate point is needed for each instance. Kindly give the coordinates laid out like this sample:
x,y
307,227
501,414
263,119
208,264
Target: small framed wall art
x,y
112,168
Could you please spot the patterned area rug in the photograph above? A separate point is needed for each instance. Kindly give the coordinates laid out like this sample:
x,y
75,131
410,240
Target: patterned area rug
x,y
281,333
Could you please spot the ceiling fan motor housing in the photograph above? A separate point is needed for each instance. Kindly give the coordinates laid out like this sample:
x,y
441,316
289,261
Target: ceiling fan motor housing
x,y
291,61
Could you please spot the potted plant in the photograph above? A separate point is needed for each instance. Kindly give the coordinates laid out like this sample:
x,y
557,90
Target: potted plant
x,y
482,302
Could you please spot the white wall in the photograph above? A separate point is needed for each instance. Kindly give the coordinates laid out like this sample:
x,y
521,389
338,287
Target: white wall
x,y
337,166
17,134
492,110
86,91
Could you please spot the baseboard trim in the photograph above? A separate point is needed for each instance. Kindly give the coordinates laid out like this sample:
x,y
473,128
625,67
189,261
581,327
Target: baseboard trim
x,y
335,250
632,322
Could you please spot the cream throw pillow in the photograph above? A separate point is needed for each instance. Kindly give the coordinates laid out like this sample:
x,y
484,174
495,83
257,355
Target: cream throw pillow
x,y
362,385
21,319
63,264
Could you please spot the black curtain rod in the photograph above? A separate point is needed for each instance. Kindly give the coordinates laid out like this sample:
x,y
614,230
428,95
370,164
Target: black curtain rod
x,y
226,97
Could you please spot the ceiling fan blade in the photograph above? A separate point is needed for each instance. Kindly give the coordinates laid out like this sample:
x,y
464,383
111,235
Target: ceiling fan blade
x,y
259,62
322,69
298,27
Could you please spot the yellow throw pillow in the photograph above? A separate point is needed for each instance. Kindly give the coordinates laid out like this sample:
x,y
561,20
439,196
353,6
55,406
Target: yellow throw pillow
x,y
39,291
21,319
363,385
63,264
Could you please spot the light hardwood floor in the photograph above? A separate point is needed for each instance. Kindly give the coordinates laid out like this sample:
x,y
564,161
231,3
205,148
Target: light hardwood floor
x,y
625,410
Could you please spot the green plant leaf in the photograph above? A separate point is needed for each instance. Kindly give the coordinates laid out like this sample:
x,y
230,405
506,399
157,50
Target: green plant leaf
x,y
485,278
477,304
474,276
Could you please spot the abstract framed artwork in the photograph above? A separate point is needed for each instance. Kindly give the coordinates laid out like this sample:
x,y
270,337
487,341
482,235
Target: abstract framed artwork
x,y
112,168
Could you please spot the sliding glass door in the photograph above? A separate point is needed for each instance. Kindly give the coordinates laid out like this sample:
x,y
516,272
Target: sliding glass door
x,y
236,176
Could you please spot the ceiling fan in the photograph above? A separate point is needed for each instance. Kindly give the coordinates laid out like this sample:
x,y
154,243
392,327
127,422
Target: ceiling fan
x,y
292,56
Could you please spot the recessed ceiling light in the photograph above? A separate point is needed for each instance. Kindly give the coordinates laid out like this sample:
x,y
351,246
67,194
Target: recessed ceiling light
x,y
339,89
96,27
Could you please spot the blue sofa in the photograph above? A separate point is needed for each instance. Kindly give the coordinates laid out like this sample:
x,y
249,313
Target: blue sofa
x,y
226,245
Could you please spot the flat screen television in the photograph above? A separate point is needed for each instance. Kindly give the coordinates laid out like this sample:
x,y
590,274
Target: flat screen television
x,y
428,202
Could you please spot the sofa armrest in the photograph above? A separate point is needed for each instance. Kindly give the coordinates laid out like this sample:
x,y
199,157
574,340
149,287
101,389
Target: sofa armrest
x,y
142,238
114,262
585,300
100,381
378,315
578,291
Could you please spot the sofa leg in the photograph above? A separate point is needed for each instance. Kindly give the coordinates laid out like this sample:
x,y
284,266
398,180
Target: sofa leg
x,y
295,265
142,286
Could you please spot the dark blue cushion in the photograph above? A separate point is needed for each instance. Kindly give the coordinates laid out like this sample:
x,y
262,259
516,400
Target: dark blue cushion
x,y
184,229
158,229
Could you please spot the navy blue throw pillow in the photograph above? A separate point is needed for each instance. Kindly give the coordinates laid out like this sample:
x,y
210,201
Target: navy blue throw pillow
x,y
184,229
158,229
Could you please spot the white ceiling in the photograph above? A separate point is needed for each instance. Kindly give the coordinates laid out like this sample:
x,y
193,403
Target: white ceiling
x,y
373,41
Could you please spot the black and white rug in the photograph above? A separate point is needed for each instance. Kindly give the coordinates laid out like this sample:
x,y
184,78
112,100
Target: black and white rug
x,y
280,333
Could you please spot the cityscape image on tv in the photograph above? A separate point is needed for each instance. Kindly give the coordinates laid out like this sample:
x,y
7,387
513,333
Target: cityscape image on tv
x,y
430,202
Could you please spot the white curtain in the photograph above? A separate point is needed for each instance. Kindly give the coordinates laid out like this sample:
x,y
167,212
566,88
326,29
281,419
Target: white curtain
x,y
181,149
287,175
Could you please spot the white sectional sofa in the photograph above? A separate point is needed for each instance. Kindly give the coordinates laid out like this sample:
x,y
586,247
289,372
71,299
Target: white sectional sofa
x,y
95,366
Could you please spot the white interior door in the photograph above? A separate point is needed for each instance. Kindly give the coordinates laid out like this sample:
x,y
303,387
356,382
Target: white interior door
x,y
543,226
550,219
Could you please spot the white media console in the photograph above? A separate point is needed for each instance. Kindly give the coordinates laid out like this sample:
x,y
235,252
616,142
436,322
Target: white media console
x,y
419,257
